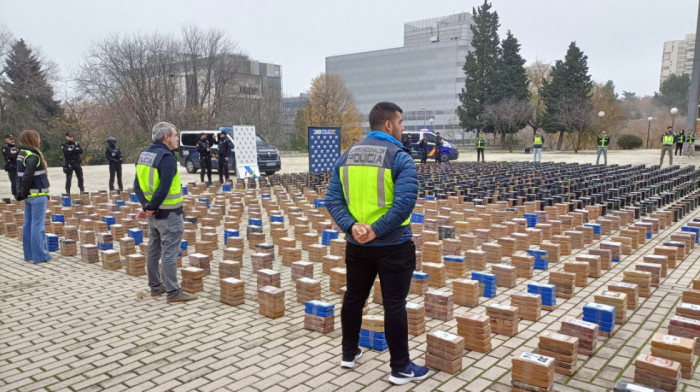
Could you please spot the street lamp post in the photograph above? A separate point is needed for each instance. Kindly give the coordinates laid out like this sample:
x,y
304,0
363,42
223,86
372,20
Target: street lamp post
x,y
673,119
431,123
601,114
649,129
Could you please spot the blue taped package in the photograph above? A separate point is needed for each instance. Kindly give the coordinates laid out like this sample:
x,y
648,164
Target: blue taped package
x,y
121,203
429,197
51,241
531,219
105,246
205,200
695,230
484,277
110,220
183,245
136,234
545,290
616,259
649,235
420,275
65,201
320,203
254,222
226,187
459,259
58,218
266,196
184,190
373,340
229,233
597,228
603,315
538,253
276,218
417,218
319,308
329,235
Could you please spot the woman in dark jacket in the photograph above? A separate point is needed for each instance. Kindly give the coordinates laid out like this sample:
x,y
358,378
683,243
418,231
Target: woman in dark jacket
x,y
680,138
33,187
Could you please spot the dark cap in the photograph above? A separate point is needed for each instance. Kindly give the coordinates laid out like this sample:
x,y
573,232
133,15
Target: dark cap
x,y
669,127
69,134
9,136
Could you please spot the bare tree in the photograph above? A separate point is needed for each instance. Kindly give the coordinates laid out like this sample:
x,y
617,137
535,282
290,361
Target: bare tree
x,y
577,117
537,73
508,116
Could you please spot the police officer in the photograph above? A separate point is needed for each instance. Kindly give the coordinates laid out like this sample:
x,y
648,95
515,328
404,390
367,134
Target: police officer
x,y
438,146
603,142
204,150
9,152
423,148
690,144
480,145
225,148
667,140
114,157
71,153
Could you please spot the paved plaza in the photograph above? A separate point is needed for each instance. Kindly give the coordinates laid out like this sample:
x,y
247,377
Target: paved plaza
x,y
67,325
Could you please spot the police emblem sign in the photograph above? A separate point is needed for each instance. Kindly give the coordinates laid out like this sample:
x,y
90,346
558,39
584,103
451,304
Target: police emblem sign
x,y
324,148
245,148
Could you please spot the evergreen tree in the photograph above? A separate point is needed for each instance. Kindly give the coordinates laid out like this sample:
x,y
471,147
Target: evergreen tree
x,y
570,82
26,92
512,77
480,69
674,93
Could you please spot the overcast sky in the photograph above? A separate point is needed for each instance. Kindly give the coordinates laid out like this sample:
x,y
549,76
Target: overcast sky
x,y
623,39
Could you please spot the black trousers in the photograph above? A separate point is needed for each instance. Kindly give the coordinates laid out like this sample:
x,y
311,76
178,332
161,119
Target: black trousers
x,y
206,164
423,156
679,147
115,168
223,170
12,173
78,169
480,151
395,265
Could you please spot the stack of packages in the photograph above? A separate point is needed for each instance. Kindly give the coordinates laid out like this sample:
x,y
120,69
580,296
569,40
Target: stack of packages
x,y
476,331
691,296
525,265
466,292
316,252
553,251
653,269
540,257
565,283
204,247
110,259
87,237
260,261
104,241
506,275
308,290
330,262
377,297
494,253
89,253
476,260
319,316
564,350
127,246
444,352
671,254
136,234
581,269
547,293
455,266
532,372
372,333
487,283
594,264
686,309
338,279
504,319
451,246
303,269
266,248
661,260
136,264
229,269
416,318
271,301
200,260
439,305
657,372
631,289
436,274
507,245
586,332
419,283
615,249
677,349
432,252
685,327
234,253
268,277
603,315
68,247
616,299
529,305
192,279
232,291
641,279
605,257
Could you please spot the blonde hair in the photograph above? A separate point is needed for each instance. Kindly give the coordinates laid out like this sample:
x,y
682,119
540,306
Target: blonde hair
x,y
31,138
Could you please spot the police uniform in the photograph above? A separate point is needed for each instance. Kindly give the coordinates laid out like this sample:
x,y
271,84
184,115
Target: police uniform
x,y
690,144
438,147
115,158
667,140
71,153
537,143
204,150
480,145
32,187
9,152
225,148
603,142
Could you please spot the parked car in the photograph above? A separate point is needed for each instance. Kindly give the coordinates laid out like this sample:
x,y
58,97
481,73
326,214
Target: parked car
x,y
448,152
269,160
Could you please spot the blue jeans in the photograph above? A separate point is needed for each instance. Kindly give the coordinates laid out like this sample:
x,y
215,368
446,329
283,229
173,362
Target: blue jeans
x,y
164,239
603,151
537,153
34,230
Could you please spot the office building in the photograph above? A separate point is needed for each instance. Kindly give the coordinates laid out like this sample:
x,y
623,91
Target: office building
x,y
678,57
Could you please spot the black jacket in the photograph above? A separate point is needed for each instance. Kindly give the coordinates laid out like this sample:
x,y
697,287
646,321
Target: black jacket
x,y
9,152
113,154
225,148
202,146
71,151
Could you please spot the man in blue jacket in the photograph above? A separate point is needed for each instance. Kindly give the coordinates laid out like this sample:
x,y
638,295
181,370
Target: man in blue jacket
x,y
373,189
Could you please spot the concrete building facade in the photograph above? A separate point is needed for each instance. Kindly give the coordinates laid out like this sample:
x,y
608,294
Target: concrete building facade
x,y
677,57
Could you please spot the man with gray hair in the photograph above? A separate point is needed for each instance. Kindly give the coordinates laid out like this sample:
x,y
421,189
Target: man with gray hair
x,y
157,186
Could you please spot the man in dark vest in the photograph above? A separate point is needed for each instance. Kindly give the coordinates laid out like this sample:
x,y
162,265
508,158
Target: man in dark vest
x,y
204,150
71,154
114,157
480,145
667,140
225,148
603,142
9,152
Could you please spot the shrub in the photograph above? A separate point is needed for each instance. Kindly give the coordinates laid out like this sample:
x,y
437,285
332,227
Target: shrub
x,y
629,142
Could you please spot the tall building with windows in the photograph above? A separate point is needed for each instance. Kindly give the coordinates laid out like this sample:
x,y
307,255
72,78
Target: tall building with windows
x,y
678,57
424,76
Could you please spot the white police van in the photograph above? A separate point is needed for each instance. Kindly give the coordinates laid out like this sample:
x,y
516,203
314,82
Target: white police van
x,y
269,160
448,152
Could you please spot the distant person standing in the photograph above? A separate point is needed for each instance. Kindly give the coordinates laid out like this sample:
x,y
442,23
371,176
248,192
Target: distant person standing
x,y
603,142
115,158
667,140
204,150
32,187
680,140
406,141
690,144
71,154
423,148
158,189
537,143
480,145
438,146
9,152
225,148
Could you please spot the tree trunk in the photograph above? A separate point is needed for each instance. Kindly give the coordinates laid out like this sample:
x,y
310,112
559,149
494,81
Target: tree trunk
x,y
561,140
503,140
